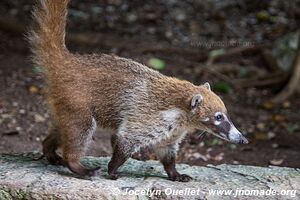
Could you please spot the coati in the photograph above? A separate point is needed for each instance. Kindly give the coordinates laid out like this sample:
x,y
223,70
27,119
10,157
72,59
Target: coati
x,y
141,105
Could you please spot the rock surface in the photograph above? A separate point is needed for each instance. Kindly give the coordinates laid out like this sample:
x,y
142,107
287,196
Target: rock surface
x,y
23,177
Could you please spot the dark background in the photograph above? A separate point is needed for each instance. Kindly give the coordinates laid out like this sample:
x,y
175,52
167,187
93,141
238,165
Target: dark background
x,y
185,36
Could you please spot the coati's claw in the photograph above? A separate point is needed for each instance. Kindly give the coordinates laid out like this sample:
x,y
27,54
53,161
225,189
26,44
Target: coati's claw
x,y
113,176
185,178
181,178
92,172
39,158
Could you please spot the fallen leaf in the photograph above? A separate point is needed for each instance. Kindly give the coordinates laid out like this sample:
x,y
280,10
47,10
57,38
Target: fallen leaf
x,y
218,157
6,116
247,148
22,111
156,63
39,118
261,126
268,105
286,104
261,136
216,52
263,16
271,135
198,155
33,89
276,162
236,162
279,118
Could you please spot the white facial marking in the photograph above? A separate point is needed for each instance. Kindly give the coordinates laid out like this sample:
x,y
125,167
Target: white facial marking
x,y
218,113
233,134
225,117
217,123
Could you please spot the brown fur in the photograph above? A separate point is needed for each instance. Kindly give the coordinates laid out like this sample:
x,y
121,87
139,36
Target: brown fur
x,y
118,93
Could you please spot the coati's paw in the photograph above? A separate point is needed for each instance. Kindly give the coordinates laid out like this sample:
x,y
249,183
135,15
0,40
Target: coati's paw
x,y
77,168
113,176
181,178
55,160
90,172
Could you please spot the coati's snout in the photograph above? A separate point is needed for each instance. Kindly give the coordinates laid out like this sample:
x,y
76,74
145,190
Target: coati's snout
x,y
210,114
223,128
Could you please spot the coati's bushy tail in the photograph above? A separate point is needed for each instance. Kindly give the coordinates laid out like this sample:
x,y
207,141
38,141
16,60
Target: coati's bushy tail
x,y
47,36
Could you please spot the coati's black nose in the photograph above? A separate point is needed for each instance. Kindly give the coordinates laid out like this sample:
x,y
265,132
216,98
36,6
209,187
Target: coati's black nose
x,y
243,140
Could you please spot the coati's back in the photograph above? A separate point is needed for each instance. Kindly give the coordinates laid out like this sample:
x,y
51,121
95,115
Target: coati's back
x,y
114,83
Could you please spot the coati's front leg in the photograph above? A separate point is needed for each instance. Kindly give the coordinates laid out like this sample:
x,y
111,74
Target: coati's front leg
x,y
133,134
122,150
167,156
130,137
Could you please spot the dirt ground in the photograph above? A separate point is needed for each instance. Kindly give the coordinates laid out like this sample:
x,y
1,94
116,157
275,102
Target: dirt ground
x,y
273,130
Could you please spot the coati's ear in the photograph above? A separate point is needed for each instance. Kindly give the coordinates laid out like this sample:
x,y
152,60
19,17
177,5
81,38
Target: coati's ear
x,y
207,85
196,100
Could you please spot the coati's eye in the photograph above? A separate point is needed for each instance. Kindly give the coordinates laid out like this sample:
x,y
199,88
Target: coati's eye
x,y
219,117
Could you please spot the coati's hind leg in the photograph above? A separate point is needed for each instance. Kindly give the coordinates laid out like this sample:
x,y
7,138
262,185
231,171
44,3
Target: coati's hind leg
x,y
76,135
50,145
167,156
